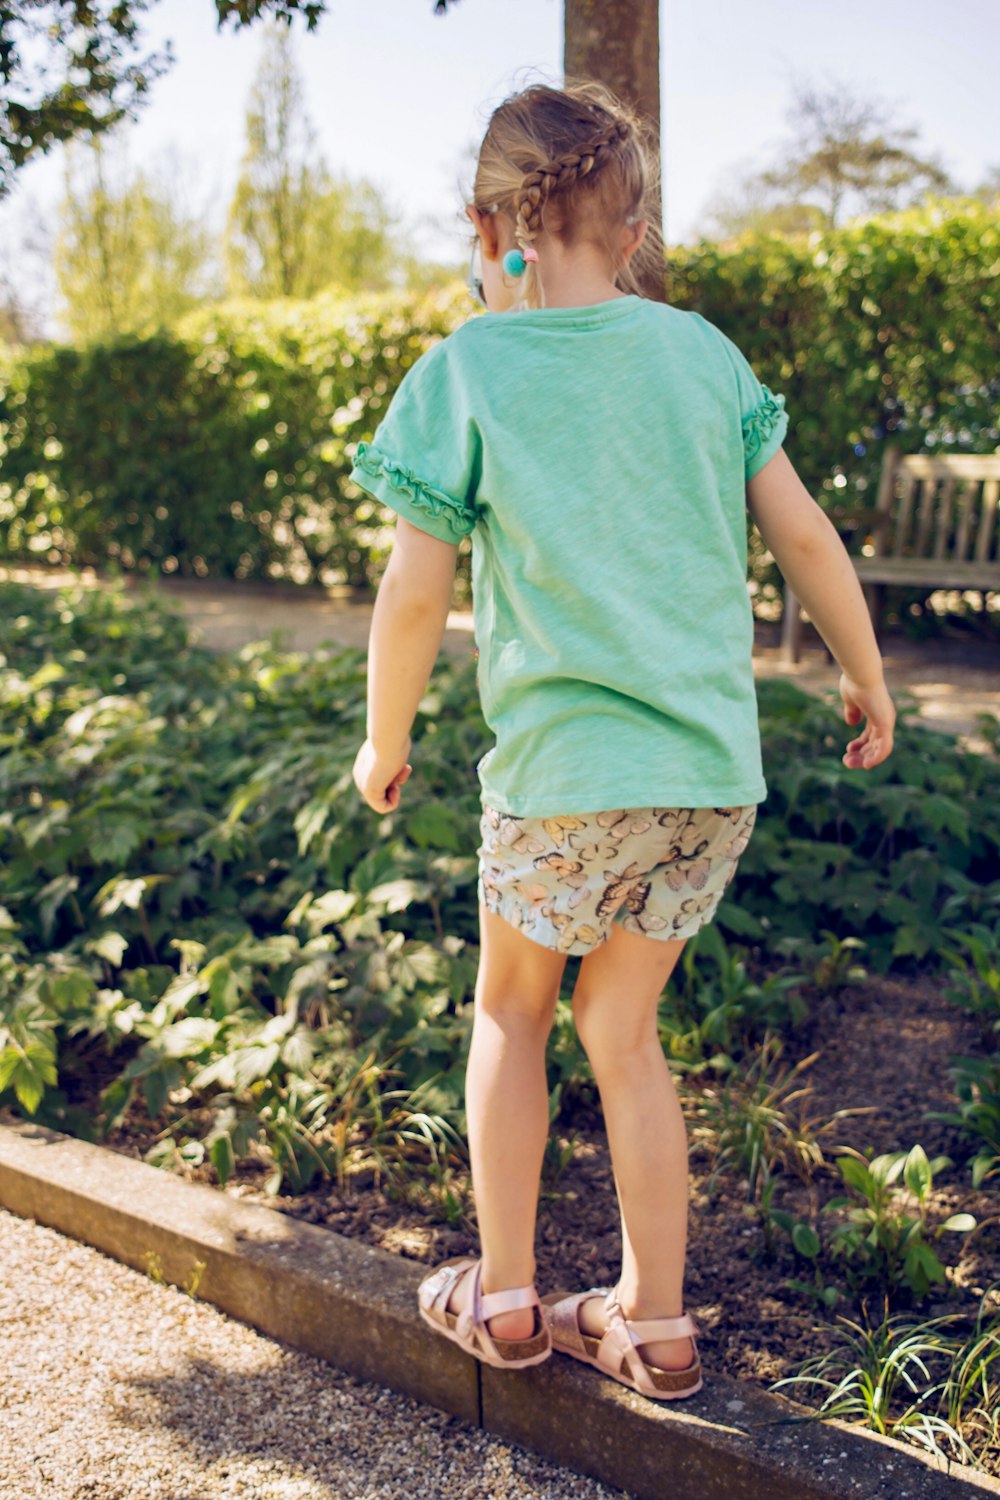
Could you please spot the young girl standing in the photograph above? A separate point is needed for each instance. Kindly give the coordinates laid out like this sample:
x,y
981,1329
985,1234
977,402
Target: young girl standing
x,y
601,450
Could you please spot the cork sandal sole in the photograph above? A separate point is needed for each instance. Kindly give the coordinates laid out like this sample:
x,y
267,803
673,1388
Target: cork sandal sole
x,y
621,1359
468,1330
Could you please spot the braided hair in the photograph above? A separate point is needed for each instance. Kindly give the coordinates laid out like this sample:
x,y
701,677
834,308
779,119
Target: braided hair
x,y
574,162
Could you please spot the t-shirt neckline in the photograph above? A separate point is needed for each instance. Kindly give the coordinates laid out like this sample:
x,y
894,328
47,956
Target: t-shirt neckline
x,y
594,312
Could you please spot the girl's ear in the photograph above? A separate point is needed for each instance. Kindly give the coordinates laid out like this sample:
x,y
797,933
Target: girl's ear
x,y
486,227
635,238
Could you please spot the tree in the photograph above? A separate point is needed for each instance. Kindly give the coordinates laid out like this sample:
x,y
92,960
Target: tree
x,y
127,256
744,203
292,228
843,147
618,43
88,47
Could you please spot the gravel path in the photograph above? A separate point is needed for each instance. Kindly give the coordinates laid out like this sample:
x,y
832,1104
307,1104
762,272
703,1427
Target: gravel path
x,y
117,1387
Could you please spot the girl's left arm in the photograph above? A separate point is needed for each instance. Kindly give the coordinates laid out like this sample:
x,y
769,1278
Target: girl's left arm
x,y
408,622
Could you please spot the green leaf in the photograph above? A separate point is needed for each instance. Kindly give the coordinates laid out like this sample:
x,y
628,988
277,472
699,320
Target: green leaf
x,y
961,1223
109,945
222,1158
856,1174
397,895
806,1240
917,1173
432,825
28,1069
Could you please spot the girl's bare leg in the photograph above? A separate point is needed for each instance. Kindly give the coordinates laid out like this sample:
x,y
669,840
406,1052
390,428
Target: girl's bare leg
x,y
507,1104
615,1007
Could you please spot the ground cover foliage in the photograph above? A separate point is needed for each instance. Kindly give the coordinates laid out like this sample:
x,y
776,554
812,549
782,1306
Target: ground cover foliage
x,y
185,862
200,920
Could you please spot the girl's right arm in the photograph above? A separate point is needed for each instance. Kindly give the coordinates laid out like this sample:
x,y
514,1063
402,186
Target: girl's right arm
x,y
815,564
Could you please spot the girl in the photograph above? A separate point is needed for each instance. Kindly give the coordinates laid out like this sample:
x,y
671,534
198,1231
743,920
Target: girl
x,y
601,450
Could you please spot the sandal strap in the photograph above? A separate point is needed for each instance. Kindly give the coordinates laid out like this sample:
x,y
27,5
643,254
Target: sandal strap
x,y
645,1330
482,1305
511,1299
436,1288
648,1329
616,1346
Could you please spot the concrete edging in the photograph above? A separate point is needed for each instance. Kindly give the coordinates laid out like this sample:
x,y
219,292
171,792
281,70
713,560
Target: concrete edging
x,y
274,1273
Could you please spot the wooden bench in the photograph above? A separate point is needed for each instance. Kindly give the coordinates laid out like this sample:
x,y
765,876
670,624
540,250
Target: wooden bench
x,y
935,525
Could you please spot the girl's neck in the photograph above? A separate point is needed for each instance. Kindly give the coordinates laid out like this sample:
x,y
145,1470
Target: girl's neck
x,y
560,292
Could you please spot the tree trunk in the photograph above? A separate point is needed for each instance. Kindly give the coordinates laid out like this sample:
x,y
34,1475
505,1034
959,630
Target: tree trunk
x,y
618,43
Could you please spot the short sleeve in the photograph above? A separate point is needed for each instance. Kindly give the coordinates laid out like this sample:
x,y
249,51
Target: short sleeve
x,y
423,460
763,419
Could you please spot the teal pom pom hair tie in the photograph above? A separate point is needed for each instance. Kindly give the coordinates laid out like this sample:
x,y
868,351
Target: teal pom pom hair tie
x,y
515,260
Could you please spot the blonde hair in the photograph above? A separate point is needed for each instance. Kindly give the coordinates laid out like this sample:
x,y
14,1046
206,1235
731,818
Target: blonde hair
x,y
576,163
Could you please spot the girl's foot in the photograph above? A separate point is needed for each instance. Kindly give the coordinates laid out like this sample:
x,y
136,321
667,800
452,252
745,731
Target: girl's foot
x,y
665,1354
508,1325
467,1327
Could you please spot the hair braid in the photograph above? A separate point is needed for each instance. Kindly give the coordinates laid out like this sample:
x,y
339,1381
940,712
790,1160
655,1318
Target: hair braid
x,y
584,161
558,175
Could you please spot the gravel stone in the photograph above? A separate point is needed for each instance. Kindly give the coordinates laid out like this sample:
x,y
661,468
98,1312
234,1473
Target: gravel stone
x,y
118,1387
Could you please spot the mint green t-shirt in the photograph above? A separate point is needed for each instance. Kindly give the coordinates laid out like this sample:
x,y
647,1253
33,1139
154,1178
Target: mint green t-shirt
x,y
598,459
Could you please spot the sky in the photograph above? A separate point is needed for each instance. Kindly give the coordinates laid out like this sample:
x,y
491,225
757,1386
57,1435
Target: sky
x,y
402,96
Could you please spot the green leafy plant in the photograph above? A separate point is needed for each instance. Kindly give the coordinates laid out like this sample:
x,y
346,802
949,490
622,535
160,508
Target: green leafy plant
x,y
829,964
805,1243
713,1011
976,1083
880,1240
222,446
976,985
745,1122
204,931
883,1377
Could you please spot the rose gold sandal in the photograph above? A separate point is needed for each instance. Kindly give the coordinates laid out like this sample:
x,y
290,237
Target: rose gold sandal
x,y
468,1329
615,1353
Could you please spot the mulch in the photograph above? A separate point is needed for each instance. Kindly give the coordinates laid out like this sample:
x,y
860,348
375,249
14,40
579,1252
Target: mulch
x,y
884,1047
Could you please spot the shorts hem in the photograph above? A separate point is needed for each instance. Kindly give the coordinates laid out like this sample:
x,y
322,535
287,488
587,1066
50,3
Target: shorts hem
x,y
544,935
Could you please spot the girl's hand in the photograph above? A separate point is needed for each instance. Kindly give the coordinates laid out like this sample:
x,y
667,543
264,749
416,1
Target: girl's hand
x,y
379,779
873,703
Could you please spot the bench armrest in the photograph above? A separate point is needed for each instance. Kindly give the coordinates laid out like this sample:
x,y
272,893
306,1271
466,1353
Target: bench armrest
x,y
849,522
840,516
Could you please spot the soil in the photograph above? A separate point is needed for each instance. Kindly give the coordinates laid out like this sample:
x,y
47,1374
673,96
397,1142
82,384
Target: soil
x,y
884,1046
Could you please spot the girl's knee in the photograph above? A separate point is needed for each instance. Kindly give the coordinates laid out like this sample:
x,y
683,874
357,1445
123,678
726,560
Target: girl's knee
x,y
516,1014
615,1042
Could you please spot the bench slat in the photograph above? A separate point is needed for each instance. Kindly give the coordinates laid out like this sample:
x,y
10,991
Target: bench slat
x,y
944,516
964,520
908,484
928,571
962,465
928,491
987,521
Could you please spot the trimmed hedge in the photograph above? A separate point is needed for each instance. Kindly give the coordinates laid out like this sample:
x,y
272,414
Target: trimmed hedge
x,y
222,446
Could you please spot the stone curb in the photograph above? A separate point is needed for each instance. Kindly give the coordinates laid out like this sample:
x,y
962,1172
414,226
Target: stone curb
x,y
354,1306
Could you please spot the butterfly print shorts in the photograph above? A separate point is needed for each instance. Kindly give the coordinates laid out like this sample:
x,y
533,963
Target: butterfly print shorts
x,y
657,871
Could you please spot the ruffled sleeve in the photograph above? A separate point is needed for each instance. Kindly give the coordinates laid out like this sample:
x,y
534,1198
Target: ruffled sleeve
x,y
424,458
437,512
764,431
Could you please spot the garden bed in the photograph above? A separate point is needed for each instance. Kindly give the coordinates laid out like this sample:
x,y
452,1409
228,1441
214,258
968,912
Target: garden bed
x,y
886,1040
209,944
